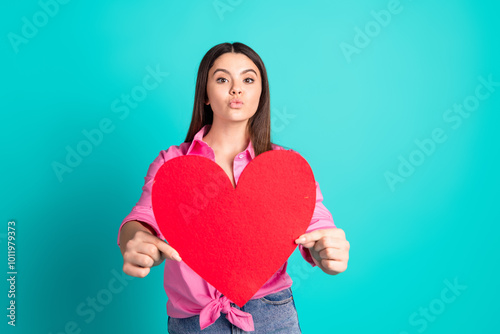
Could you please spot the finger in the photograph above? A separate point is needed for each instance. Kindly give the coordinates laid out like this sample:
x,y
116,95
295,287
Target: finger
x,y
145,236
144,243
333,254
338,233
169,252
308,244
138,259
131,270
309,239
150,250
330,242
337,266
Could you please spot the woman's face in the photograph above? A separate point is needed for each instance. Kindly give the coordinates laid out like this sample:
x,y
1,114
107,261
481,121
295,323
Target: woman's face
x,y
233,76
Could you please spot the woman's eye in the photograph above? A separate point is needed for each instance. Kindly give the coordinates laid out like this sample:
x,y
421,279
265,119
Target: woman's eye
x,y
248,80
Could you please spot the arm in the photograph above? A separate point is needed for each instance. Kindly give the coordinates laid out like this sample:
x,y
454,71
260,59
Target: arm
x,y
139,237
143,212
324,245
321,219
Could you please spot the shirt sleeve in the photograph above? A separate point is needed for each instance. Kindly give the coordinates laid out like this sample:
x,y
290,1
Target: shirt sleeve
x,y
321,219
143,210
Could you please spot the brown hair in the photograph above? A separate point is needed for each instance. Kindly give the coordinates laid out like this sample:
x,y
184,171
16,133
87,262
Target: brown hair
x,y
259,125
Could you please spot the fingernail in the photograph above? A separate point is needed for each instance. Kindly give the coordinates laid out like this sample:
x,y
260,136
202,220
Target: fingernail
x,y
299,240
177,257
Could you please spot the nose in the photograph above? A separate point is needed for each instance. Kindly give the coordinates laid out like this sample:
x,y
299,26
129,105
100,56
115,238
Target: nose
x,y
235,90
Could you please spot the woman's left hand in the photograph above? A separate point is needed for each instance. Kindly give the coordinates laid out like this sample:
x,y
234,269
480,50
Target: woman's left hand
x,y
329,249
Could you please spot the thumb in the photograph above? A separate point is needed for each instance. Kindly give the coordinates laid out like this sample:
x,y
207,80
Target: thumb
x,y
305,241
309,244
169,252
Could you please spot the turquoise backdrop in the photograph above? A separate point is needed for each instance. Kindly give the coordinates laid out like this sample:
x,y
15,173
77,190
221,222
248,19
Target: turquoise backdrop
x,y
395,105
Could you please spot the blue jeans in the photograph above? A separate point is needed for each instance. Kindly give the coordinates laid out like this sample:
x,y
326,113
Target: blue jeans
x,y
274,313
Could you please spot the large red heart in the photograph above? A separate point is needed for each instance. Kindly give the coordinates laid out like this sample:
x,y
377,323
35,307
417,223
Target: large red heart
x,y
234,238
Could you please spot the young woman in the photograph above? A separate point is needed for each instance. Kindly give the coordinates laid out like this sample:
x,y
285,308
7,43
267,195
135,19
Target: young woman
x,y
231,126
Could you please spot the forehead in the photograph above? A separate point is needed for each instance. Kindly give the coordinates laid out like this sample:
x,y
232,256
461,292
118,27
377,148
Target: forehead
x,y
234,63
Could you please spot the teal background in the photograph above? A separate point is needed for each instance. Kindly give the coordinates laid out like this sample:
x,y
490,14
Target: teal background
x,y
351,122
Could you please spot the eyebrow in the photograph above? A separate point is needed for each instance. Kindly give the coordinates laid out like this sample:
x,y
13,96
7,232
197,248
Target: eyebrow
x,y
226,71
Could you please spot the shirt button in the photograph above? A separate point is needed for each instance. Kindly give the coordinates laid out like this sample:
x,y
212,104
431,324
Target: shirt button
x,y
240,156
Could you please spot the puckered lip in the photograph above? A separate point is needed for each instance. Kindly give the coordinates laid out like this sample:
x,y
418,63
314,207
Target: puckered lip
x,y
235,101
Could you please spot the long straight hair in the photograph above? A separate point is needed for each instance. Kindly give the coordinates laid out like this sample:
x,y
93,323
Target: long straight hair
x,y
259,125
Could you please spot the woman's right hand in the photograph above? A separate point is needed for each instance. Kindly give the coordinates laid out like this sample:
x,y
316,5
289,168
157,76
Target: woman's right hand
x,y
144,250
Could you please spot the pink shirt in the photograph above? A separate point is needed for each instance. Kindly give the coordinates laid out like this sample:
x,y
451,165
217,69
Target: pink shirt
x,y
188,293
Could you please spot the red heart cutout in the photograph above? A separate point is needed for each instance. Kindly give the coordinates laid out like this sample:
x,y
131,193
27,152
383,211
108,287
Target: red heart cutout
x,y
234,238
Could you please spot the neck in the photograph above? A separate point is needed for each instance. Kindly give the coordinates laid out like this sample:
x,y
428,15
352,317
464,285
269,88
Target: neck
x,y
228,139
